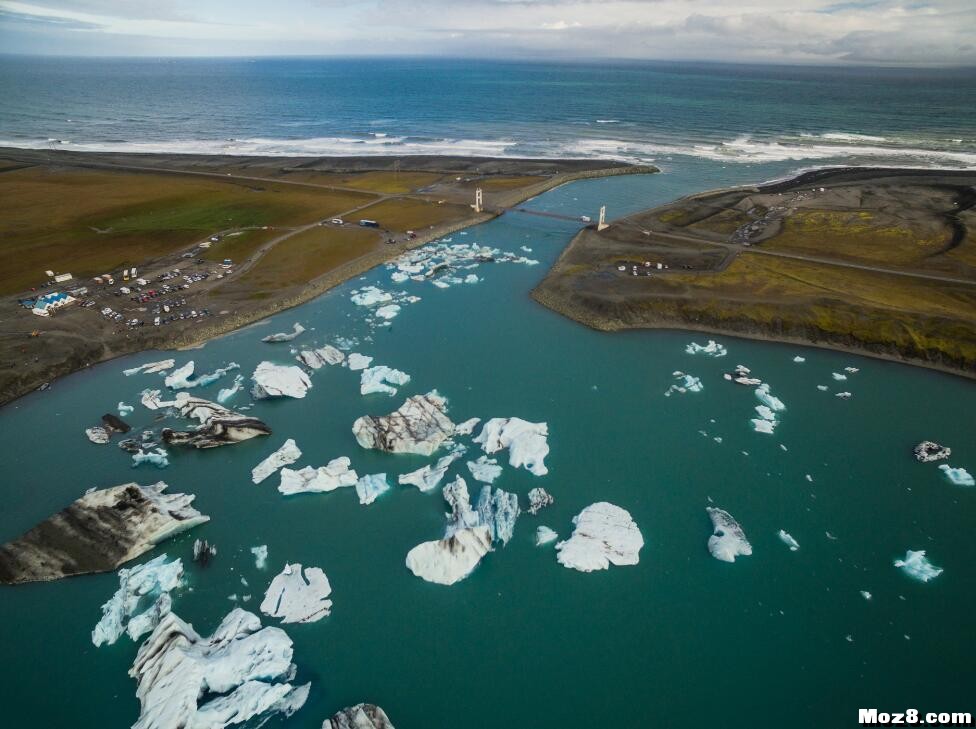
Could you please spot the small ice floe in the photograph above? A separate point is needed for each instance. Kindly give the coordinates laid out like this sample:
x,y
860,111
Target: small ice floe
x,y
317,358
822,388
239,673
866,595
226,393
271,380
809,478
788,540
360,716
471,278
428,477
498,510
260,556
838,376
958,476
418,426
928,451
728,541
389,311
203,552
539,499
449,560
603,534
218,425
153,400
917,566
296,330
484,469
125,409
298,595
158,458
369,487
525,248
336,474
141,600
830,536
844,395
544,535
97,434
370,296
467,427
180,379
375,379
151,368
852,370
712,349
742,375
399,277
357,361
526,442
287,454
799,360
686,383
768,399
441,284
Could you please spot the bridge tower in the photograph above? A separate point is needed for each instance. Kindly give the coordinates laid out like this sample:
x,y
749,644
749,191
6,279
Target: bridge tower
x,y
478,201
602,225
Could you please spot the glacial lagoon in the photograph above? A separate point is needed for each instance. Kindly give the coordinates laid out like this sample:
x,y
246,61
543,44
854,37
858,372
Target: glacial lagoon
x,y
781,637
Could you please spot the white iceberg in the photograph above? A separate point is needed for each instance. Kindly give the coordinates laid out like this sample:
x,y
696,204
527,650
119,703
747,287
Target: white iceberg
x,y
462,516
318,358
418,426
240,672
788,540
485,469
451,559
763,426
97,434
728,541
768,399
852,370
151,368
260,556
284,456
917,566
226,393
544,535
298,596
370,295
467,427
358,361
370,487
375,379
180,379
838,376
603,534
686,383
296,330
428,477
158,458
958,476
336,474
526,442
799,360
141,600
471,278
153,400
712,349
271,380
539,498
125,409
388,312
498,511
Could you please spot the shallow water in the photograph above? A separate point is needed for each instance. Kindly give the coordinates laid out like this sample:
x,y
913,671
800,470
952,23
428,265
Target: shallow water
x,y
680,640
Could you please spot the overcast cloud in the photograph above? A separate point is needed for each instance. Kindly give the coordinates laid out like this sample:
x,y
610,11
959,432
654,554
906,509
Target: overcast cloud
x,y
941,32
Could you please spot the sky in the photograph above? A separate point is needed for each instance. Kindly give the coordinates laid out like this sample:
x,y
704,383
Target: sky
x,y
887,32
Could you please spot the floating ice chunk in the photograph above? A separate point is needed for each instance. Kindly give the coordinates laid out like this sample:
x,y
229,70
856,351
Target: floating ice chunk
x,y
428,477
158,458
852,370
388,312
360,716
260,556
484,469
125,409
462,516
374,379
917,566
958,476
239,673
728,541
358,361
809,478
419,426
449,560
471,278
218,425
226,393
317,358
369,487
287,454
844,395
152,400
141,600
441,284
866,595
838,376
179,379
768,399
544,535
799,360
928,451
151,368
271,380
296,330
399,277
763,426
336,474
686,383
788,540
604,534
97,434
370,295
298,596
467,427
526,442
765,413
539,498
498,511
712,349
822,388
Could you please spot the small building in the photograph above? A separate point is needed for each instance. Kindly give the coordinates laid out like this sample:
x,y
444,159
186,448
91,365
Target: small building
x,y
52,302
62,277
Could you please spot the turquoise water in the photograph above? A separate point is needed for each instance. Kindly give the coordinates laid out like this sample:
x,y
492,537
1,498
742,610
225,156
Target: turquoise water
x,y
680,640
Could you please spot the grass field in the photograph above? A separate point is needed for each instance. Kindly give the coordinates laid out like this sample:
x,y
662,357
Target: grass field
x,y
409,214
88,222
239,246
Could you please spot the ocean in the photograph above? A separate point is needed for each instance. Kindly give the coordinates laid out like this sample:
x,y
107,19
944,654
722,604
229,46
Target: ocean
x,y
779,638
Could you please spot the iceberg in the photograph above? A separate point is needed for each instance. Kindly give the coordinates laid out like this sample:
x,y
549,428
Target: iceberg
x,y
766,398
298,596
141,600
498,511
526,442
98,532
97,434
360,716
287,454
271,380
296,330
260,556
369,296
358,361
418,426
158,458
125,409
844,395
917,566
374,380
308,480
788,540
151,368
471,278
928,451
218,425
428,477
544,535
152,400
317,358
180,379
226,393
763,426
799,360
852,370
603,534
686,383
539,498
838,376
484,469
467,427
462,516
712,349
388,312
958,476
370,487
239,673
203,552
449,560
728,541
866,595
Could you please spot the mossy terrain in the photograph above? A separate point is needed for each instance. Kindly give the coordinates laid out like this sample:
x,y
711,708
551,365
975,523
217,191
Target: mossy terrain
x,y
402,214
